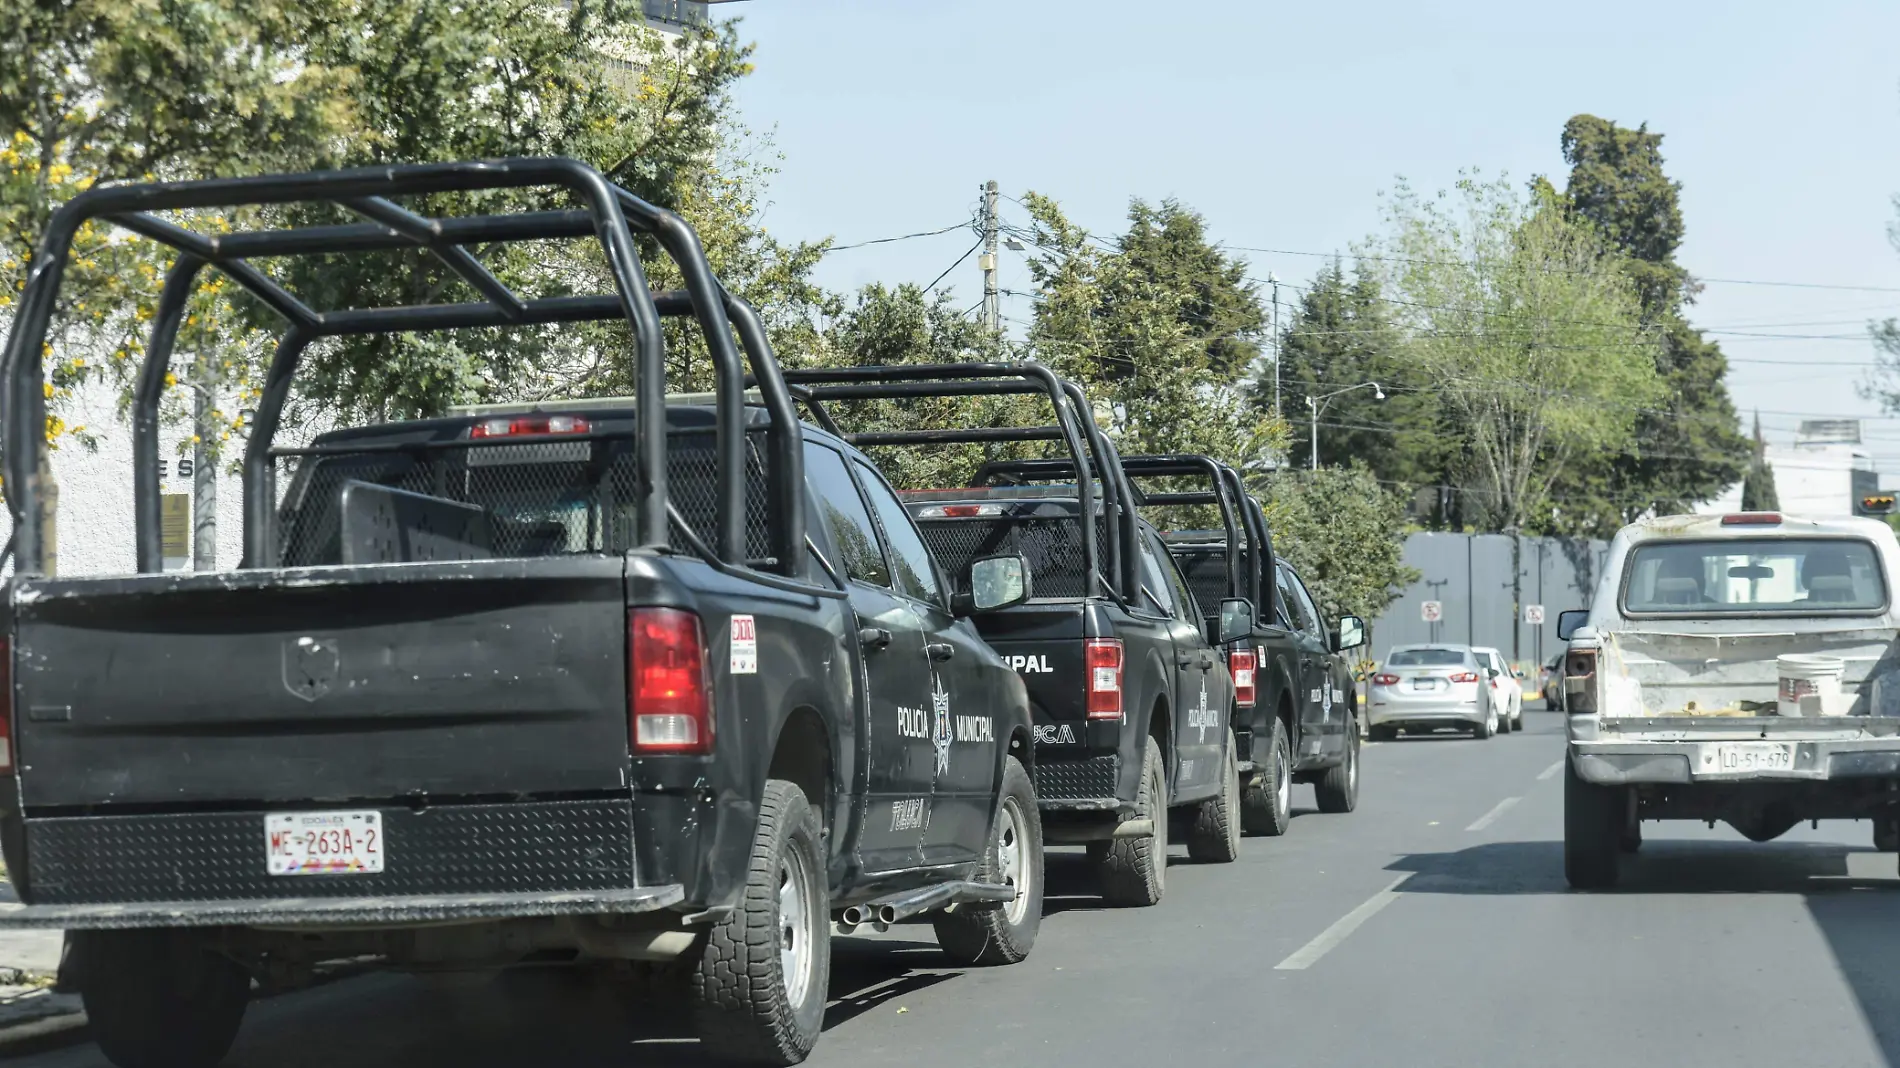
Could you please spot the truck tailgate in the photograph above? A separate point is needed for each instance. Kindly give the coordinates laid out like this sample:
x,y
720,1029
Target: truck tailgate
x,y
498,677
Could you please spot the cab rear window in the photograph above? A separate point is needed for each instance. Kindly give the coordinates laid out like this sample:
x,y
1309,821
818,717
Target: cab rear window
x,y
1753,576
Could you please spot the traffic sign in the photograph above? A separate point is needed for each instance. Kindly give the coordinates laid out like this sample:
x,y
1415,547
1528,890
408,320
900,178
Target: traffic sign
x,y
1534,614
1432,611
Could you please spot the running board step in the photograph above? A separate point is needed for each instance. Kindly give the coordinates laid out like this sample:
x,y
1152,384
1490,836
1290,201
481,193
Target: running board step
x,y
883,911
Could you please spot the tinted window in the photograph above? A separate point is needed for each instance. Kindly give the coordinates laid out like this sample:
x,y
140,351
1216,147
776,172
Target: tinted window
x,y
1152,580
1186,605
845,516
1291,604
1311,621
1786,576
1428,658
916,572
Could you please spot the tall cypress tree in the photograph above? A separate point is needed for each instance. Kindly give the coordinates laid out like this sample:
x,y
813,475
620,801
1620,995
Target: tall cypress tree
x,y
1758,485
1689,448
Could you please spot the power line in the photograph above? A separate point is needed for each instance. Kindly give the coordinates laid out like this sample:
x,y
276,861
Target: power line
x,y
900,237
954,266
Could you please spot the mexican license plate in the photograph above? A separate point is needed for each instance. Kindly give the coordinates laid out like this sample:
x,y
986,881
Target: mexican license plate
x,y
1424,684
324,843
1741,758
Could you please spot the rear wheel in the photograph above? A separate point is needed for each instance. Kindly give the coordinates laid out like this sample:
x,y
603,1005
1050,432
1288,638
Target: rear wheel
x,y
1504,722
160,999
1133,871
1338,789
1487,728
1215,835
1594,818
1003,935
1382,734
758,988
1517,714
1267,805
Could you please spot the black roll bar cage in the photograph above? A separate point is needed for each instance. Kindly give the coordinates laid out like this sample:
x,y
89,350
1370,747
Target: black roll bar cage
x,y
610,215
1221,493
1075,424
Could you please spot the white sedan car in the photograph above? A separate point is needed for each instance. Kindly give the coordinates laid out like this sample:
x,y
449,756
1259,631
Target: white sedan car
x,y
1507,693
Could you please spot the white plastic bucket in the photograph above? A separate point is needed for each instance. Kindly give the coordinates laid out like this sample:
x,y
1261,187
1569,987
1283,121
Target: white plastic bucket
x,y
1817,678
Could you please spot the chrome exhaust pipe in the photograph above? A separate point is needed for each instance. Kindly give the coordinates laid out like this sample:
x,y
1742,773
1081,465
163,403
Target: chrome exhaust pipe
x,y
854,916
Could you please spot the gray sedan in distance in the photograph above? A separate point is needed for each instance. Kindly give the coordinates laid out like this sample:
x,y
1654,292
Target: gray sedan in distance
x,y
1421,688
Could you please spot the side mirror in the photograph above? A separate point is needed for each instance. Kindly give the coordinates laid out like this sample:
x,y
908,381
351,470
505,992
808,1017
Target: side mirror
x,y
1520,673
1570,621
995,582
1236,619
1493,672
1350,635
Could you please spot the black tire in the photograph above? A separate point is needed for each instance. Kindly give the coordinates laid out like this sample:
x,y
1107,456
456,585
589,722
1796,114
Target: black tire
x,y
1887,834
160,999
745,1006
1215,836
1338,789
1504,722
1005,935
1382,734
1266,808
1482,731
1134,871
1631,840
1593,831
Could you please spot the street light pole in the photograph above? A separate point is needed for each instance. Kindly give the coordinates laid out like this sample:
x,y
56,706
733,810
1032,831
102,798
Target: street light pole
x,y
1314,405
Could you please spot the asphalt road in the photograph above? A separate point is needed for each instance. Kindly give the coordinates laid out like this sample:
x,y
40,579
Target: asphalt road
x,y
1431,927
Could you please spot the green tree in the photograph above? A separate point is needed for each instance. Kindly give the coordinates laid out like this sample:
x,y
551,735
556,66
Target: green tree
x,y
1687,445
113,90
1758,485
1344,533
1529,333
1342,335
1158,325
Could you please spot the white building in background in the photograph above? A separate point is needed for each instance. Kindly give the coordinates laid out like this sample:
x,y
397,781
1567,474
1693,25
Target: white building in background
x,y
1823,473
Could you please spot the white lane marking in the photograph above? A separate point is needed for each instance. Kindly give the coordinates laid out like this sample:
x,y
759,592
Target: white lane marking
x,y
1490,817
1306,955
1549,771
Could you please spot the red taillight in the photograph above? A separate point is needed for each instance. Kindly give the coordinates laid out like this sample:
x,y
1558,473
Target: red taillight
x,y
1752,519
1464,676
1581,665
6,705
1241,663
668,689
1385,680
1103,659
530,425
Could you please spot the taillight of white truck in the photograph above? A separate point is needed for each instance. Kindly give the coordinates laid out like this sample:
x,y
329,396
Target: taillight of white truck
x,y
1580,681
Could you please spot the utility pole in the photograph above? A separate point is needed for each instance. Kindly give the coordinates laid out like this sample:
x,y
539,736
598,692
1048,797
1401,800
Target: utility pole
x,y
1275,283
992,307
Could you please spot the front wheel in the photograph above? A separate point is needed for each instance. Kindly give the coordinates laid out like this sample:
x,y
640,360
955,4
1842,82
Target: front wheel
x,y
1133,871
1338,789
758,985
1266,807
1215,836
160,998
1014,859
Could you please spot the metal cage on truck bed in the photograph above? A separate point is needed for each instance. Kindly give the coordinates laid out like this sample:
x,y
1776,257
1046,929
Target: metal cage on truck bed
x,y
406,479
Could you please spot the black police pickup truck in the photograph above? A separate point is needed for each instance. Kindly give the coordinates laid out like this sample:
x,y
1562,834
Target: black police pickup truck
x,y
626,682
1301,724
1133,707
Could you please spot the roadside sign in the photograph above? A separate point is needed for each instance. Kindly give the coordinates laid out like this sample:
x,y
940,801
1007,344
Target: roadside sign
x,y
1431,611
174,530
1534,614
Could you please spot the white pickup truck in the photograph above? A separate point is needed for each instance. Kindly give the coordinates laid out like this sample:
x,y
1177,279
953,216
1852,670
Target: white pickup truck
x,y
1701,683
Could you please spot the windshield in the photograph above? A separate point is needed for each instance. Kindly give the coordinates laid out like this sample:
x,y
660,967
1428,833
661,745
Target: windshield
x,y
1427,658
1792,576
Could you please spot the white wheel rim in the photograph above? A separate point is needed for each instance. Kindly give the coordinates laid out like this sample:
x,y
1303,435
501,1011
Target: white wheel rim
x,y
794,927
1012,860
1491,723
1283,782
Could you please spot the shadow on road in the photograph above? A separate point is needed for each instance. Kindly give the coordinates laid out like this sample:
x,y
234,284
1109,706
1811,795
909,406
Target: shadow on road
x,y
1662,867
1855,913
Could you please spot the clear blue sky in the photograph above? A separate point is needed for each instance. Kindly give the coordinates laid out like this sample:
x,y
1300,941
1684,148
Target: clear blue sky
x,y
1282,123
